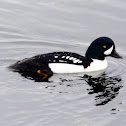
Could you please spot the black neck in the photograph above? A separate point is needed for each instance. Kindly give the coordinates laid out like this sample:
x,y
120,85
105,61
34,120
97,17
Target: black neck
x,y
95,53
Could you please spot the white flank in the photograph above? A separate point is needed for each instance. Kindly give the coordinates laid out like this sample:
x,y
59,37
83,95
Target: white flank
x,y
109,51
66,68
96,65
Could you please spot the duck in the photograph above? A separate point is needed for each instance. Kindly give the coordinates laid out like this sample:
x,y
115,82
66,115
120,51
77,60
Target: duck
x,y
45,65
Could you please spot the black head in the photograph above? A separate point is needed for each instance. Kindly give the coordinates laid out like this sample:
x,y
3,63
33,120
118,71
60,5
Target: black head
x,y
102,47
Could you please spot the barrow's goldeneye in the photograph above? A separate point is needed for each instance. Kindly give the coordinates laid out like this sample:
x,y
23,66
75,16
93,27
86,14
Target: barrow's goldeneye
x,y
45,65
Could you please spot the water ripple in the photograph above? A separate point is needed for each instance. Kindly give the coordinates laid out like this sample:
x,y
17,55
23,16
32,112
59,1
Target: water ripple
x,y
35,27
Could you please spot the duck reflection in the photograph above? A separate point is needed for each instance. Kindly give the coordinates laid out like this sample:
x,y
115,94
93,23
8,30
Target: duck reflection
x,y
105,87
34,76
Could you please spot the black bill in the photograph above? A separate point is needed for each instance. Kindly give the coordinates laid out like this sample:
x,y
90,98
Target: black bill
x,y
116,55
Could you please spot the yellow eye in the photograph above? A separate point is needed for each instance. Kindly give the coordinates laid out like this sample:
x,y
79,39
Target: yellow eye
x,y
104,46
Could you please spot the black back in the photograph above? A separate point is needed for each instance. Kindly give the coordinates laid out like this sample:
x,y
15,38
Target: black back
x,y
62,57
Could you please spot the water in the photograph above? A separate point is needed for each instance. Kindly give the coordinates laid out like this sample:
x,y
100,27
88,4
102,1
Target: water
x,y
32,27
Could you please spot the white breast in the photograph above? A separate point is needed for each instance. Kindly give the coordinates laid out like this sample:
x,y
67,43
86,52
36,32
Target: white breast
x,y
96,65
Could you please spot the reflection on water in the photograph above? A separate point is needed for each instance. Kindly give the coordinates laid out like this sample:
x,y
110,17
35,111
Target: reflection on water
x,y
105,87
34,76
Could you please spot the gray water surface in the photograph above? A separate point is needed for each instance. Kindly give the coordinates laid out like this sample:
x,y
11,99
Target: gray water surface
x,y
31,27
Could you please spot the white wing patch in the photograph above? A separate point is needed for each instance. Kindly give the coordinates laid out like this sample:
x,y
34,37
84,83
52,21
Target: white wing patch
x,y
55,56
109,51
67,57
71,58
80,61
75,60
63,56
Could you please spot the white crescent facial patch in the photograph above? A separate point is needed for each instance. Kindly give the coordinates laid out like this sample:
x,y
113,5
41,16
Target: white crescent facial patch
x,y
109,51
